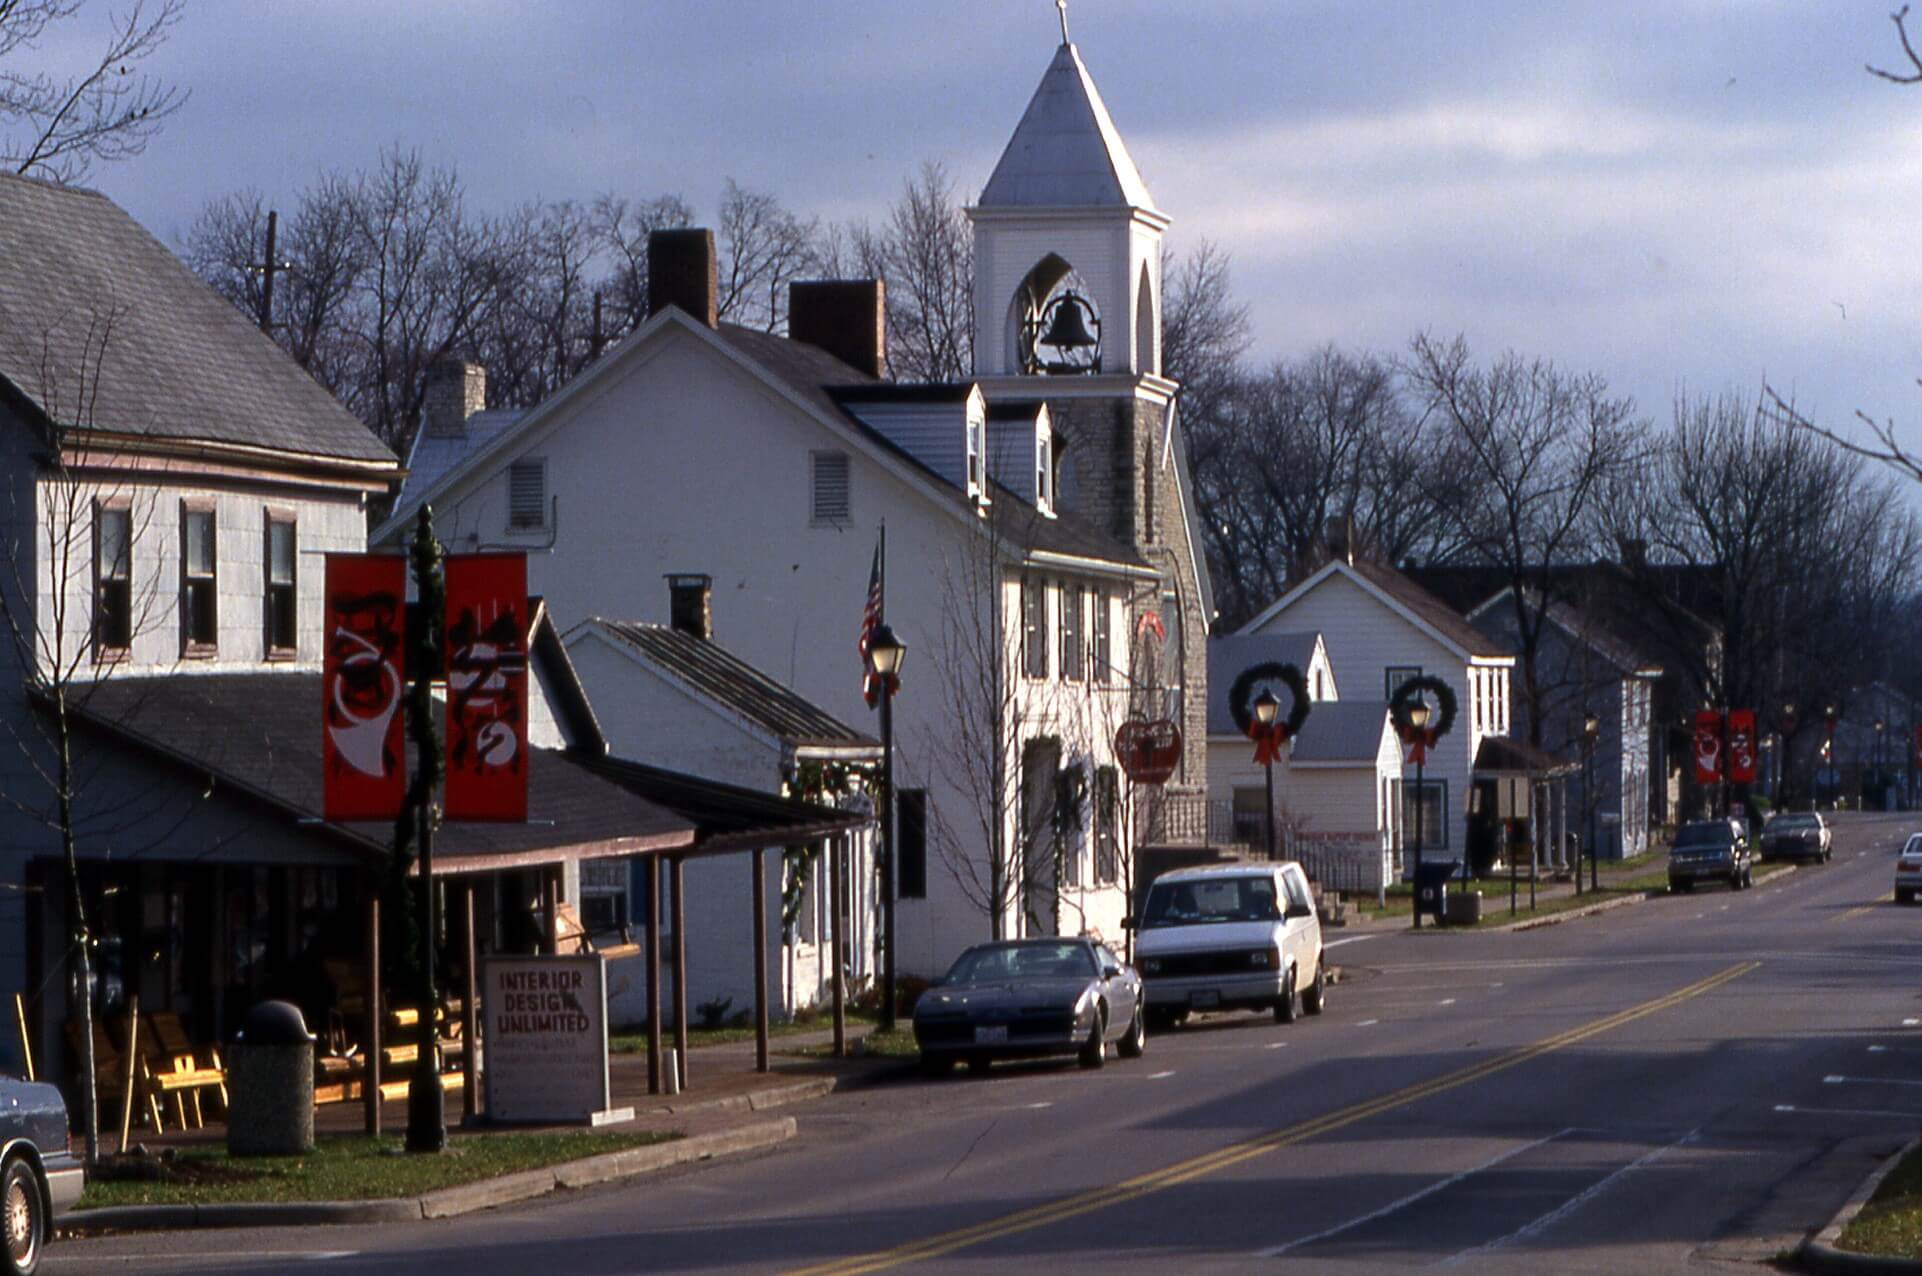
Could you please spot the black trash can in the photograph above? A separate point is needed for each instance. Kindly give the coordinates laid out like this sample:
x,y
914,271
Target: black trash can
x,y
270,1084
1431,887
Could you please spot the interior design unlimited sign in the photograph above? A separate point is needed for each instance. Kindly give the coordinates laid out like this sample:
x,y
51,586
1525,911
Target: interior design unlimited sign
x,y
545,1040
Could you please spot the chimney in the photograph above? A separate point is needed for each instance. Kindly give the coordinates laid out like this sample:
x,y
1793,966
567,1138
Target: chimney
x,y
681,271
455,390
848,318
690,607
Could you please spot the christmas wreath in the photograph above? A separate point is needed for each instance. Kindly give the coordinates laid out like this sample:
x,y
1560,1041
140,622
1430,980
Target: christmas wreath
x,y
1268,741
1404,699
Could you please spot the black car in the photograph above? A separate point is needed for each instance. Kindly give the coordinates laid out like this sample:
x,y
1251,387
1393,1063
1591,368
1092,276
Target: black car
x,y
1710,851
40,1178
1796,835
1027,998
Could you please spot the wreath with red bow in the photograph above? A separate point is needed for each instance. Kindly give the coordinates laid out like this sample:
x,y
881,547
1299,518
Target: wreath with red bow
x,y
1404,699
1268,740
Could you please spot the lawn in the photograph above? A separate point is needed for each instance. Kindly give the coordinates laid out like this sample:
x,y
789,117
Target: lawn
x,y
631,1042
353,1168
1891,1223
898,1044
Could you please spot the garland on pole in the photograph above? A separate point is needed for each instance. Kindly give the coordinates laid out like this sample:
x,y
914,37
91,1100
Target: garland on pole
x,y
1268,740
1420,740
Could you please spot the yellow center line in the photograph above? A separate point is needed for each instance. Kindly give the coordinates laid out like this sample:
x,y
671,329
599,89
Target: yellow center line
x,y
1871,906
1214,1162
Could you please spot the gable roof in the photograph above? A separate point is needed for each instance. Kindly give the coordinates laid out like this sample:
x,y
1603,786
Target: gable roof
x,y
433,456
1229,654
1341,731
727,680
1610,597
1580,626
91,303
1402,596
1066,152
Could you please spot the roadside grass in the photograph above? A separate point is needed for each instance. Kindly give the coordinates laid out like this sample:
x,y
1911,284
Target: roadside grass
x,y
353,1168
631,1042
1891,1223
898,1044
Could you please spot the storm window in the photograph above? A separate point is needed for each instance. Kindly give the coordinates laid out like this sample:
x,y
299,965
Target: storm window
x,y
113,580
199,596
280,611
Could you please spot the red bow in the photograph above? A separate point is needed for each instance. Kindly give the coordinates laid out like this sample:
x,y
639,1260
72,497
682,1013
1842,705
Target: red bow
x,y
1419,743
1268,741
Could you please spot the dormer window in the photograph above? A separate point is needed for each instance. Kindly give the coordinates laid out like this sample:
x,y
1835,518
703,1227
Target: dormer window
x,y
1043,474
977,460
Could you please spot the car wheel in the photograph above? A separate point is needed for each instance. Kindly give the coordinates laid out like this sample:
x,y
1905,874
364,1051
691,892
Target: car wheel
x,y
1314,998
1904,897
936,1065
1285,1009
1681,885
1136,1039
23,1217
1160,1021
1095,1052
978,1064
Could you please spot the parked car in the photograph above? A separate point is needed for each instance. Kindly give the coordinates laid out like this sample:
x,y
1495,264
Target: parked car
x,y
1796,835
40,1178
1234,936
1710,851
1027,998
1908,870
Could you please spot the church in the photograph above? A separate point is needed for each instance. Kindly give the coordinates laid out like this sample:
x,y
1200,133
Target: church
x,y
1042,563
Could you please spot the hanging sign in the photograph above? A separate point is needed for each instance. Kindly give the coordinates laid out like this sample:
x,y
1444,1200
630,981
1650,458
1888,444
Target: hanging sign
x,y
1741,746
1708,747
363,668
1149,752
487,687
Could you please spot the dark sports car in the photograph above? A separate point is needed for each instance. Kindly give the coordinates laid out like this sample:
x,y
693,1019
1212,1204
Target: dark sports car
x,y
1030,997
39,1178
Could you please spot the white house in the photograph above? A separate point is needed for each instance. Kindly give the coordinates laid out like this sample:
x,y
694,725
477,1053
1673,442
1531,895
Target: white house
x,y
1387,630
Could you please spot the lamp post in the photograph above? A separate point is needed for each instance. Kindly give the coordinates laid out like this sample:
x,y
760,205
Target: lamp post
x,y
426,1121
1782,762
1591,732
1879,725
1418,720
1828,749
1267,708
887,652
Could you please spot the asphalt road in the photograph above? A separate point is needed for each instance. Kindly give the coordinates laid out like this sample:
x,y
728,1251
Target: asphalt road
x,y
1675,1086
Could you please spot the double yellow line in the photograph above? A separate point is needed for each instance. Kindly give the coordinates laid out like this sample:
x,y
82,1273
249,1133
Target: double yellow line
x,y
1235,1153
1869,907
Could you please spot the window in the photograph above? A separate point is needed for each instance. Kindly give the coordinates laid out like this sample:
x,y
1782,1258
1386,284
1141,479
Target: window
x,y
1103,646
603,896
911,844
1396,675
113,581
1073,657
199,602
278,605
1107,826
527,496
1034,624
1433,798
977,480
1043,474
833,498
1321,691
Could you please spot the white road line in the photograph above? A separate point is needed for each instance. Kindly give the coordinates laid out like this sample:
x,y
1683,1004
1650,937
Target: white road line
x,y
1156,1076
1036,1107
1839,1080
1446,1001
1439,1185
1910,1023
1568,1207
1351,939
1862,1112
1274,1045
1894,1050
1368,1023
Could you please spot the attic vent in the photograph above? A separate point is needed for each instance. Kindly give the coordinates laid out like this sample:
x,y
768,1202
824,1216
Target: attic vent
x,y
527,496
833,503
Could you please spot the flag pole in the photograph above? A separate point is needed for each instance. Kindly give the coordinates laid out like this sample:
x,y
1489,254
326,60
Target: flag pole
x,y
888,985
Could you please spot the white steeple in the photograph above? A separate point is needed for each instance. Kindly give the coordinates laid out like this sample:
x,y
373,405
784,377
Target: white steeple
x,y
1066,152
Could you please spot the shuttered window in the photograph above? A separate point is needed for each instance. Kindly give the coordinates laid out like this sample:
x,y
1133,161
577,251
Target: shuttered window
x,y
527,496
832,505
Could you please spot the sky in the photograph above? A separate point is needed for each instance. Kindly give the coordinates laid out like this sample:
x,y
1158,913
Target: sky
x,y
1685,196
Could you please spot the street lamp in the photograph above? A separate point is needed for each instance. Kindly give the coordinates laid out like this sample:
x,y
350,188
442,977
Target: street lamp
x,y
1591,732
1418,721
1267,708
887,652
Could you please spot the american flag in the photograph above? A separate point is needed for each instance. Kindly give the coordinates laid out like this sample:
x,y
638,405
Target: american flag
x,y
870,621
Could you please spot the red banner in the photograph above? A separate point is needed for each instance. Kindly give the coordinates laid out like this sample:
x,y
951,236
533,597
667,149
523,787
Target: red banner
x,y
363,682
1708,747
1741,746
487,687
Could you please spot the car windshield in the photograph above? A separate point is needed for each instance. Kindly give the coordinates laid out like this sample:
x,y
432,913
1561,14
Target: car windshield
x,y
1021,961
1216,899
1793,823
1915,845
1710,834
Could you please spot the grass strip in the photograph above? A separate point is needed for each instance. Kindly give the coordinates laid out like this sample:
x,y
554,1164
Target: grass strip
x,y
1890,1225
898,1044
353,1168
628,1042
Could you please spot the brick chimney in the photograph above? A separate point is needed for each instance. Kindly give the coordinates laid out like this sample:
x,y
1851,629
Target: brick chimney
x,y
681,271
690,605
848,318
455,390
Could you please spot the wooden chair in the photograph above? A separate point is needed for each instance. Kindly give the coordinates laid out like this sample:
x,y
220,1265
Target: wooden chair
x,y
158,1077
170,1036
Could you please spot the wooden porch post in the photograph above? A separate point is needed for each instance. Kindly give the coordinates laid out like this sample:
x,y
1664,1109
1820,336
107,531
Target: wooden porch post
x,y
470,1015
830,853
551,904
653,975
370,1068
760,960
680,970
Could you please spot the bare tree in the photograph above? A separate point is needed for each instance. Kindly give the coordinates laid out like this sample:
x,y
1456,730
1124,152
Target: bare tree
x,y
1901,18
927,258
623,227
57,127
763,248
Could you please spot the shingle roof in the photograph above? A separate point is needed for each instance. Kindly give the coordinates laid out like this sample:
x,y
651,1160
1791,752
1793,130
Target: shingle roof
x,y
725,678
1066,151
434,455
726,815
260,734
1342,731
1435,613
1232,653
89,300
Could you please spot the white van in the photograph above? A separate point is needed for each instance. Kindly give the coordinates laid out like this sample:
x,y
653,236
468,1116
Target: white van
x,y
1239,936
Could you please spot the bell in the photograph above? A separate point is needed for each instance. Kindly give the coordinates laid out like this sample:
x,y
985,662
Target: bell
x,y
1066,330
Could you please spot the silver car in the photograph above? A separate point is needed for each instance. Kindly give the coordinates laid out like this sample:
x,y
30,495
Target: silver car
x,y
40,1178
1030,997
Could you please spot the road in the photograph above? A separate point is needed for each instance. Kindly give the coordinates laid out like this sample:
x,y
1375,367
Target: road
x,y
1674,1086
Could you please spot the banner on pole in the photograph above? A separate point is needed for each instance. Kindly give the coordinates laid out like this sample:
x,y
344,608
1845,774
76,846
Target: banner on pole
x,y
1741,746
363,682
487,687
1708,746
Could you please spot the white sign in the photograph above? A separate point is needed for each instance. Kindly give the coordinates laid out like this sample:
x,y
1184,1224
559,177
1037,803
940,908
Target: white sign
x,y
544,1034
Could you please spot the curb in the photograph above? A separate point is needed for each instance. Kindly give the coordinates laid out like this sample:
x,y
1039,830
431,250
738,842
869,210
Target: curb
x,y
1591,909
1818,1252
446,1202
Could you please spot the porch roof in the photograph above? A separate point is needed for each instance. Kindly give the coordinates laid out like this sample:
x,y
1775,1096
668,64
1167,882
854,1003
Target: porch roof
x,y
1499,755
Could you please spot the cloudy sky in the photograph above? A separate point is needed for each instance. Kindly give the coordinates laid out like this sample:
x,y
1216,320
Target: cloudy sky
x,y
1679,194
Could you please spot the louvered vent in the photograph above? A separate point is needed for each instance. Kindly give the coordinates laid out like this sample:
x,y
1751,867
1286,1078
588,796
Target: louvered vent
x,y
832,502
527,495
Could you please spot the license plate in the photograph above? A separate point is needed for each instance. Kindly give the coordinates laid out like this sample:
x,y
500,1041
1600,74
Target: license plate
x,y
987,1036
1204,1000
